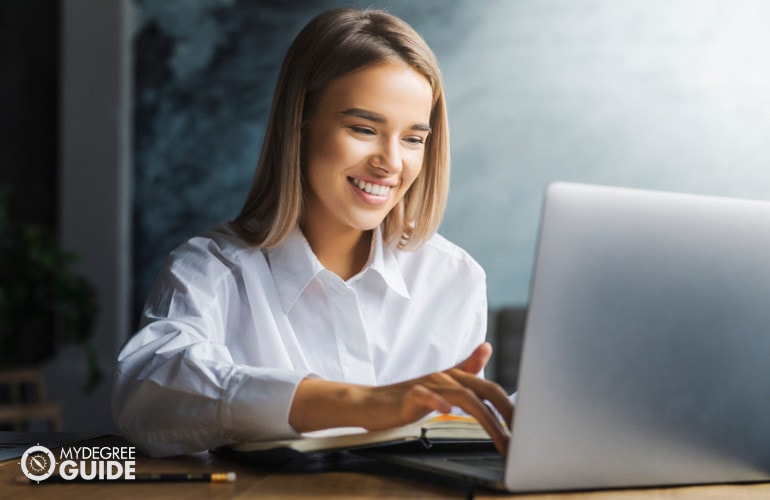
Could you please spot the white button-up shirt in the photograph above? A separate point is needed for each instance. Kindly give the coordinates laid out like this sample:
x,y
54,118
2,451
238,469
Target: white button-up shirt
x,y
230,330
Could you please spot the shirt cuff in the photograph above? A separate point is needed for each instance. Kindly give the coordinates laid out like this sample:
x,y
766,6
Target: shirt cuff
x,y
257,403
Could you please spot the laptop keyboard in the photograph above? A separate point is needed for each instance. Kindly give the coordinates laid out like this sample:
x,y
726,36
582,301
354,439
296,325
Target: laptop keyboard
x,y
495,464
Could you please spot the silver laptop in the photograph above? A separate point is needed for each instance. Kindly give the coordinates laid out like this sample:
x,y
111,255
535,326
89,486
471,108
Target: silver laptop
x,y
646,359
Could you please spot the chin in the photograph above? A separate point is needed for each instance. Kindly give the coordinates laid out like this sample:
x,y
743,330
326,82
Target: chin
x,y
367,225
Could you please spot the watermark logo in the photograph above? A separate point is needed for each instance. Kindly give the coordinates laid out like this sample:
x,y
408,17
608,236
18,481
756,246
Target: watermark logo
x,y
38,463
86,463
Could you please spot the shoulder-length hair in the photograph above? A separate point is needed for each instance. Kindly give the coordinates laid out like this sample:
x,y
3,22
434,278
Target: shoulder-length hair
x,y
332,45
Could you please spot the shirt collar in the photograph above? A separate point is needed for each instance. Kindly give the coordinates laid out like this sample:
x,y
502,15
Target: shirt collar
x,y
294,265
384,262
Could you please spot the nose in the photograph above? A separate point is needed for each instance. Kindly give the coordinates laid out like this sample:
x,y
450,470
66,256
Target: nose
x,y
388,157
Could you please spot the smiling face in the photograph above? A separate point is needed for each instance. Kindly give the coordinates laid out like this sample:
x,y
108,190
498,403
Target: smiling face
x,y
364,147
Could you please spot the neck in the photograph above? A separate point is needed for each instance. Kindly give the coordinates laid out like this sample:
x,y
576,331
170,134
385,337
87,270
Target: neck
x,y
344,253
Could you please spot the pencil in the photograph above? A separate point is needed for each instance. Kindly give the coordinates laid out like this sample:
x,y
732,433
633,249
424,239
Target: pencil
x,y
193,477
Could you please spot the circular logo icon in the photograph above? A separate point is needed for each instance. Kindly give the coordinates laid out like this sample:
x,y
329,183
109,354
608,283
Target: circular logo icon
x,y
38,463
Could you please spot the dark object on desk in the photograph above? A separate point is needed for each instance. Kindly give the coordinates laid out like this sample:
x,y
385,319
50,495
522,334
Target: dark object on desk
x,y
288,460
14,444
357,461
291,460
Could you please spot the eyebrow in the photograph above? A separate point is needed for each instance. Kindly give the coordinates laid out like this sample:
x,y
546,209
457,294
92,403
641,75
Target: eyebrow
x,y
377,118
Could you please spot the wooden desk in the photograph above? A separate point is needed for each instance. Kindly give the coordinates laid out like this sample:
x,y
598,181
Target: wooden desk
x,y
371,481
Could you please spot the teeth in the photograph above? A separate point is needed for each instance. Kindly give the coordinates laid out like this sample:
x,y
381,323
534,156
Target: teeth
x,y
368,187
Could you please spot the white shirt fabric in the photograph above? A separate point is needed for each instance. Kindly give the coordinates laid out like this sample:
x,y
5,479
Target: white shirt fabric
x,y
230,330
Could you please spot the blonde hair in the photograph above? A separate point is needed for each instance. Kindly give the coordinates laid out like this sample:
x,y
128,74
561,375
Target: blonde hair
x,y
332,45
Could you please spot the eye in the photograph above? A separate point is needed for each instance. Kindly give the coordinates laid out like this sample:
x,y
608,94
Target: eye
x,y
358,129
415,140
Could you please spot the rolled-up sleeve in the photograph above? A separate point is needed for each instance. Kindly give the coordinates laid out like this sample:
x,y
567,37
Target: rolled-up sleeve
x,y
181,384
186,402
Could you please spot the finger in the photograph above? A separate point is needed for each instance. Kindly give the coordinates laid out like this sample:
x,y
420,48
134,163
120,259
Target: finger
x,y
477,360
486,390
467,400
482,389
423,400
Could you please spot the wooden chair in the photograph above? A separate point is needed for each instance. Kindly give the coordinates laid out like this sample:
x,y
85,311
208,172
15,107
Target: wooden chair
x,y
17,410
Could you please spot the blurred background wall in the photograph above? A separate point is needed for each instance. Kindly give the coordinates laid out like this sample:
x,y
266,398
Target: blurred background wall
x,y
162,105
668,95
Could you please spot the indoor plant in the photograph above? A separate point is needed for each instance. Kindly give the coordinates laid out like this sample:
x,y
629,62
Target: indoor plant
x,y
43,302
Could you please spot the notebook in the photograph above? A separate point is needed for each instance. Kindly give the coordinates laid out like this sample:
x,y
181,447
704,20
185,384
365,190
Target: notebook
x,y
646,358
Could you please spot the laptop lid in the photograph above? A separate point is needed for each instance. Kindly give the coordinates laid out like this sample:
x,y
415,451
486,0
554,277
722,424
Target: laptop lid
x,y
646,359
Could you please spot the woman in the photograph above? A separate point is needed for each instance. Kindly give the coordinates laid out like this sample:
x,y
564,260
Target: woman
x,y
330,300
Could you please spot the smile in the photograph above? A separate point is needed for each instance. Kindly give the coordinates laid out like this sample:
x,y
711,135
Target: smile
x,y
369,188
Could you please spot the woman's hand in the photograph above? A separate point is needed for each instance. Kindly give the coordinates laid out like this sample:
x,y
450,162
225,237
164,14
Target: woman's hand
x,y
320,404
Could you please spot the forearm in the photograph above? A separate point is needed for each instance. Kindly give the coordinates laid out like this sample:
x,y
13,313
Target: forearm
x,y
320,404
